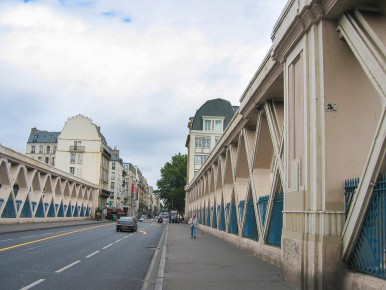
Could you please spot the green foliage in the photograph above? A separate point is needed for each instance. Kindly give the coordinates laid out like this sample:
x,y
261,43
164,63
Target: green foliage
x,y
173,180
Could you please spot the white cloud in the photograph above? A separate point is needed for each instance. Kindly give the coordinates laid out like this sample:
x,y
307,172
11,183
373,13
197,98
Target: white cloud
x,y
152,72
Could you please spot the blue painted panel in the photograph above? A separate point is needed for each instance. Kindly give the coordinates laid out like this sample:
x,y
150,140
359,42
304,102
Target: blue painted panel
x,y
210,211
61,210
51,210
276,222
40,211
9,210
233,226
241,208
69,210
214,223
26,211
222,219
263,204
250,226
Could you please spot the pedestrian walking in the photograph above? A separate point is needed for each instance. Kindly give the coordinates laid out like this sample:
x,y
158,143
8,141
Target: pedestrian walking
x,y
193,226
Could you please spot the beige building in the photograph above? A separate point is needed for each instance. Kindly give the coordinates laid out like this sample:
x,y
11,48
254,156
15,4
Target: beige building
x,y
205,129
82,151
41,145
116,181
299,175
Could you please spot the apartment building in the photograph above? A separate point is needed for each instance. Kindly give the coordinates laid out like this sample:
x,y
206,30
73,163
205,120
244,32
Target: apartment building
x,y
205,130
116,181
82,150
41,145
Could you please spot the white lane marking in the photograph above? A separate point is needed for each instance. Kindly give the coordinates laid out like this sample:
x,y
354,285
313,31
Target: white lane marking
x,y
27,237
96,252
125,237
109,245
117,241
68,266
33,284
46,234
5,240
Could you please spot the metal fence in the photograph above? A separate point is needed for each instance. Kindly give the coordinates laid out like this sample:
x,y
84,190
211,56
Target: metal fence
x,y
350,185
369,255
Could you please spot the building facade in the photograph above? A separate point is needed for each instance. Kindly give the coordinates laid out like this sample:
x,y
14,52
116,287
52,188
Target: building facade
x,y
82,151
205,130
298,177
116,181
41,145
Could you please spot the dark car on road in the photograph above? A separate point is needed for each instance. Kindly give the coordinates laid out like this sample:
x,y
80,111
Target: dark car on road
x,y
127,223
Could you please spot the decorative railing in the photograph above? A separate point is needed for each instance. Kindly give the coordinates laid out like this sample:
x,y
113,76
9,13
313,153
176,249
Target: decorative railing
x,y
74,148
350,185
369,255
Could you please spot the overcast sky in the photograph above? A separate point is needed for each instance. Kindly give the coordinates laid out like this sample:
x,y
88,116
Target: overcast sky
x,y
139,69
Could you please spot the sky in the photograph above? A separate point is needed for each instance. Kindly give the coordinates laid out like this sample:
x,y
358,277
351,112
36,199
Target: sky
x,y
138,68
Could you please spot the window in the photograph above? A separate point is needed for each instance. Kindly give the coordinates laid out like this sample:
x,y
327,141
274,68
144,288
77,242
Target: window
x,y
72,160
113,176
48,149
33,149
40,158
53,161
206,143
79,172
113,166
199,159
112,185
80,157
35,138
72,170
47,160
41,149
198,142
54,149
218,125
207,125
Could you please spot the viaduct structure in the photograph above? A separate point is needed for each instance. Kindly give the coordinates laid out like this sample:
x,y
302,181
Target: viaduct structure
x,y
298,177
32,191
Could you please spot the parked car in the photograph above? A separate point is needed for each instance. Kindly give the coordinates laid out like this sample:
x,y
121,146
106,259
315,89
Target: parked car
x,y
142,218
127,223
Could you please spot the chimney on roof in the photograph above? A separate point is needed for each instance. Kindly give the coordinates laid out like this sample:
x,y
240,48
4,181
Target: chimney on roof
x,y
34,130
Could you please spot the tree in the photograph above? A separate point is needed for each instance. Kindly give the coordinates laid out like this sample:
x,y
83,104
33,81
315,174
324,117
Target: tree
x,y
171,186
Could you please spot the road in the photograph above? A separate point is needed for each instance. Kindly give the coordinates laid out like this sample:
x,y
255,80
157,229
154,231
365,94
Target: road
x,y
86,257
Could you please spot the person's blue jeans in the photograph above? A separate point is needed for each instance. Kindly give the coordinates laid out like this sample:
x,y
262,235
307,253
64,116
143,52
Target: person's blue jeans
x,y
193,232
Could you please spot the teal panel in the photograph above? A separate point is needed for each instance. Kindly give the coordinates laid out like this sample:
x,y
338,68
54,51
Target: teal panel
x,y
9,210
26,211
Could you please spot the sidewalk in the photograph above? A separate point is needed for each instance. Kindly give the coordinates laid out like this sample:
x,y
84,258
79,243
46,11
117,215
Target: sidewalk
x,y
210,263
13,228
182,263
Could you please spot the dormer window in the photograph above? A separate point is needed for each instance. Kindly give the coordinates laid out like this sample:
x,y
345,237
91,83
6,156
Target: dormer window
x,y
213,124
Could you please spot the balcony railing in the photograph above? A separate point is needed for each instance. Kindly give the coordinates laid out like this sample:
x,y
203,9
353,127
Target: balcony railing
x,y
74,148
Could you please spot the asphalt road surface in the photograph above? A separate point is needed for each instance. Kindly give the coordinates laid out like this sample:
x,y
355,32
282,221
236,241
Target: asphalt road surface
x,y
87,257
